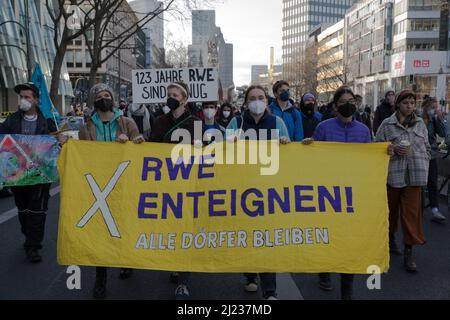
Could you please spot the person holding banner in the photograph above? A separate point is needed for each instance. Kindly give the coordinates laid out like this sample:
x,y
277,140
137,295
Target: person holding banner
x,y
107,124
258,118
343,128
179,117
408,173
31,201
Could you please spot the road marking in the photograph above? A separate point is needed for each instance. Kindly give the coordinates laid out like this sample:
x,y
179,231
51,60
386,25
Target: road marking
x,y
8,215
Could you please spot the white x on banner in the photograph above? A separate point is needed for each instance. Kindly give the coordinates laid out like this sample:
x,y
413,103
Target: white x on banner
x,y
100,203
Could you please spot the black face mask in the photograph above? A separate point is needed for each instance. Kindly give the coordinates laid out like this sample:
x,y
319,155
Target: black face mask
x,y
347,110
173,104
308,109
104,105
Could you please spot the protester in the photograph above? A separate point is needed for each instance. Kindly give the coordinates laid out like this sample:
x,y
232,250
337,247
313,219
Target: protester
x,y
123,107
310,117
143,118
258,118
328,111
434,121
225,116
361,115
282,107
343,128
107,124
237,111
210,126
31,201
384,110
180,117
408,173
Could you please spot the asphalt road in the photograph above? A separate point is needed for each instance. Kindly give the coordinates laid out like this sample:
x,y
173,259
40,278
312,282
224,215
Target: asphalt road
x,y
47,280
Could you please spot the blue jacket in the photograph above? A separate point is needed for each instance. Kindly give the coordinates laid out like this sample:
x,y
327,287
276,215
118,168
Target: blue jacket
x,y
292,119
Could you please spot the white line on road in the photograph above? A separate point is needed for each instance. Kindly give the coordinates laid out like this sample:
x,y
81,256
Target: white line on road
x,y
8,215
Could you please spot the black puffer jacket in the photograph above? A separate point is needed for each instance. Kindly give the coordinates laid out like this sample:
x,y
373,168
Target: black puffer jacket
x,y
13,124
383,111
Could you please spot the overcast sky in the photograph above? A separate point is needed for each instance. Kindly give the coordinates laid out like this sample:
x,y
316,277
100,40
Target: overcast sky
x,y
252,26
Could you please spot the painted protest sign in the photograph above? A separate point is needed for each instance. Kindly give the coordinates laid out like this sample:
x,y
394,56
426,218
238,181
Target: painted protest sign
x,y
138,208
150,85
28,160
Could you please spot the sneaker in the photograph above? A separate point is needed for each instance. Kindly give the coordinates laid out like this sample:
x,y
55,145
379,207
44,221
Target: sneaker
x,y
270,295
437,216
325,282
33,256
182,292
251,286
125,273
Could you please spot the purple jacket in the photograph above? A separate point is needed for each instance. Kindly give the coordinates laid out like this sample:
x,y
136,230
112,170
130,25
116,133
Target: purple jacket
x,y
334,130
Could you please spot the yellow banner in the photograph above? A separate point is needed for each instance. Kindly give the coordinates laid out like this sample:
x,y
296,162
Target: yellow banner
x,y
325,209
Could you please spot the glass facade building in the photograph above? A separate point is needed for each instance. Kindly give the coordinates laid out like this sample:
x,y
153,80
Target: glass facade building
x,y
13,49
299,18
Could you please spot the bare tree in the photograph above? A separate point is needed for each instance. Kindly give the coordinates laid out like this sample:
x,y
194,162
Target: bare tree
x,y
176,52
98,16
60,12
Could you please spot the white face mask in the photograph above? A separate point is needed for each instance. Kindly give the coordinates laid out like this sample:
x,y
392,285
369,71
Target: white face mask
x,y
166,109
25,105
257,107
209,113
226,114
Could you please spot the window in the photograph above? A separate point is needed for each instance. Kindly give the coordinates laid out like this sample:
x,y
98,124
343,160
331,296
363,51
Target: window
x,y
78,59
88,59
69,59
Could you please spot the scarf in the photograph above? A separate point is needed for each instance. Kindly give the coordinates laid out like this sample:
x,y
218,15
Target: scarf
x,y
142,111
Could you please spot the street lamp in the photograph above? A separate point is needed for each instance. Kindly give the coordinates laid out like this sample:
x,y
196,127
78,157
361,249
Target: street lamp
x,y
134,53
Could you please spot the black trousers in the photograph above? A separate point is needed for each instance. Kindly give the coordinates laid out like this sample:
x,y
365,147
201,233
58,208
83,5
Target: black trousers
x,y
433,192
32,204
346,283
268,281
